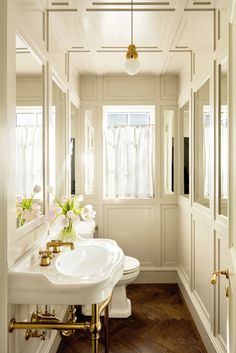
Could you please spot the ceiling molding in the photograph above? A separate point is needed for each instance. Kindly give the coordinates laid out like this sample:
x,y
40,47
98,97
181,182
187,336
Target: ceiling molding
x,y
125,50
137,3
90,9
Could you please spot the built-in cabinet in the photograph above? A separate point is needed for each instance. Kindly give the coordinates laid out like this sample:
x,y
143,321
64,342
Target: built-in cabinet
x,y
206,215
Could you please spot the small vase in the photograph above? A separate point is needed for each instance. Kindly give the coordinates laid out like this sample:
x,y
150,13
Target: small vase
x,y
68,233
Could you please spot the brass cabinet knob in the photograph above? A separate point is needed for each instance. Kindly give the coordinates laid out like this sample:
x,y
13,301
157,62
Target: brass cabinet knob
x,y
215,274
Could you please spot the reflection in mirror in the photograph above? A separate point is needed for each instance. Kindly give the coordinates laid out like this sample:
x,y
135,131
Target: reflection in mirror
x,y
73,145
29,134
168,151
202,145
185,134
57,141
89,153
223,140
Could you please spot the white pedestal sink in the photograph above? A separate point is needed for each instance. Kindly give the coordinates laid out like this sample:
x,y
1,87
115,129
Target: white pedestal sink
x,y
85,275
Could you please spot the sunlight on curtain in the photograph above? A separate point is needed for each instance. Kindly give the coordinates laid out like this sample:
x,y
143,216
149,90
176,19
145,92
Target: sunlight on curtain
x,y
129,162
224,152
28,151
207,146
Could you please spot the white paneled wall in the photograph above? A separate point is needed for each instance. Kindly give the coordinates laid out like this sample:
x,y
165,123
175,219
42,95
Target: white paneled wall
x,y
140,227
204,236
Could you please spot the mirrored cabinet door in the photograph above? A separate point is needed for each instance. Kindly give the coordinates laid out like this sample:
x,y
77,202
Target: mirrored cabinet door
x,y
168,133
185,138
29,134
74,141
57,141
223,138
203,145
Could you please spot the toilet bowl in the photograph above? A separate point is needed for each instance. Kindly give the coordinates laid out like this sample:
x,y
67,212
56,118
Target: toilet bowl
x,y
120,305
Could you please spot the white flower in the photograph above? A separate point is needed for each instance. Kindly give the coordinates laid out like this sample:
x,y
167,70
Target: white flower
x,y
70,214
19,199
65,222
37,189
88,213
35,206
64,199
80,198
25,215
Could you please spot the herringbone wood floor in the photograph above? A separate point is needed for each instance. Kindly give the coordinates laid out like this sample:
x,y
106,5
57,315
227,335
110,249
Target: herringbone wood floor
x,y
160,323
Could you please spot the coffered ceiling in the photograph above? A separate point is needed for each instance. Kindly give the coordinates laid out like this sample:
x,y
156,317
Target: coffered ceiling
x,y
166,33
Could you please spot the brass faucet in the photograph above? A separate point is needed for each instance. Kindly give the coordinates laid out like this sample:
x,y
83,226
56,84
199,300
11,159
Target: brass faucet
x,y
57,244
47,255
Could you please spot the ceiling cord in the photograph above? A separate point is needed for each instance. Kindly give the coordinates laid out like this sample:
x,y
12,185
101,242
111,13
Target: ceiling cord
x,y
132,22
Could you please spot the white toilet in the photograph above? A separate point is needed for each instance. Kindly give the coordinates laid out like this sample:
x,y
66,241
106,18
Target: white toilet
x,y
120,305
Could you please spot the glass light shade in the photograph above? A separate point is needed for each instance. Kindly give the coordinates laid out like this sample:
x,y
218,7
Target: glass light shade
x,y
132,66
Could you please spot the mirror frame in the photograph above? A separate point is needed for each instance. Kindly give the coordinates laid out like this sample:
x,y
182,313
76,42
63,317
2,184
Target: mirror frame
x,y
219,64
195,186
181,145
34,224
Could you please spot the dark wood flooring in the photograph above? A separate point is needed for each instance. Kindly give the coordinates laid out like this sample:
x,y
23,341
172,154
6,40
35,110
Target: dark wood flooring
x,y
160,323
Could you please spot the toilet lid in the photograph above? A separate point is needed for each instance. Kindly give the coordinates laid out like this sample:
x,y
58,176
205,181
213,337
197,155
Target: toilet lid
x,y
131,264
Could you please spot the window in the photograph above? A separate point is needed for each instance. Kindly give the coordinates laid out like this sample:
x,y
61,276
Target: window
x,y
129,152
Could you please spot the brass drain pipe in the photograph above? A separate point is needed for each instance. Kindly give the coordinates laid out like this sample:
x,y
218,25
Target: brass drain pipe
x,y
54,323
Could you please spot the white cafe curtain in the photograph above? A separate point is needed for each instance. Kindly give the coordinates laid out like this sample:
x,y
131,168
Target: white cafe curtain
x,y
129,162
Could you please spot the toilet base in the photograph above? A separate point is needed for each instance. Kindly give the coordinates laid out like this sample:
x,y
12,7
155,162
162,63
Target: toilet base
x,y
119,307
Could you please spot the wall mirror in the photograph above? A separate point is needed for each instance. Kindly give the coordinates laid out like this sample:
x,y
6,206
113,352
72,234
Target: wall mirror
x,y
223,138
168,127
74,127
57,141
203,145
185,137
29,134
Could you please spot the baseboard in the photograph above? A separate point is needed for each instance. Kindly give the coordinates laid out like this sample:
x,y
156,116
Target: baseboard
x,y
203,328
157,275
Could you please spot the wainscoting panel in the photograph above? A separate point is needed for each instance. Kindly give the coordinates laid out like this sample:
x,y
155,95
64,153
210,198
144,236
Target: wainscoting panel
x,y
88,87
203,263
126,87
184,242
133,229
169,234
222,262
169,87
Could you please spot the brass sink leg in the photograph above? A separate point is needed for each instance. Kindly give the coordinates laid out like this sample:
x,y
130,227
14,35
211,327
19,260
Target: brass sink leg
x,y
95,327
106,333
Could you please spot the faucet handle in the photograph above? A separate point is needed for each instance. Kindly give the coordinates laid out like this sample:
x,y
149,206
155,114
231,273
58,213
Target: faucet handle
x,y
46,256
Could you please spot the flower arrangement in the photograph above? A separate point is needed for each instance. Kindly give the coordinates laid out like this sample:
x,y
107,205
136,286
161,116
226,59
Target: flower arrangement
x,y
27,210
67,212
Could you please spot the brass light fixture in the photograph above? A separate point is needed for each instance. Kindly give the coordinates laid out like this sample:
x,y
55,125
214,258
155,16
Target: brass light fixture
x,y
132,64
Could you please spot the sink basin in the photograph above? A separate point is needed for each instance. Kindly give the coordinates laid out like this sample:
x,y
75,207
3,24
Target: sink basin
x,y
85,275
89,262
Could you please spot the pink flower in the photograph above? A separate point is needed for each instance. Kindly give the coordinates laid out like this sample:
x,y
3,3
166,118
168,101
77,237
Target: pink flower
x,y
25,215
65,222
19,199
37,189
35,206
64,199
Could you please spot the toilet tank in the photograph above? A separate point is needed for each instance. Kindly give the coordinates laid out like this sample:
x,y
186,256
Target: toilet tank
x,y
86,229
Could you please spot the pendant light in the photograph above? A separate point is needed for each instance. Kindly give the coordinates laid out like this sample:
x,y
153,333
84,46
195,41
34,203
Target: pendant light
x,y
132,64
